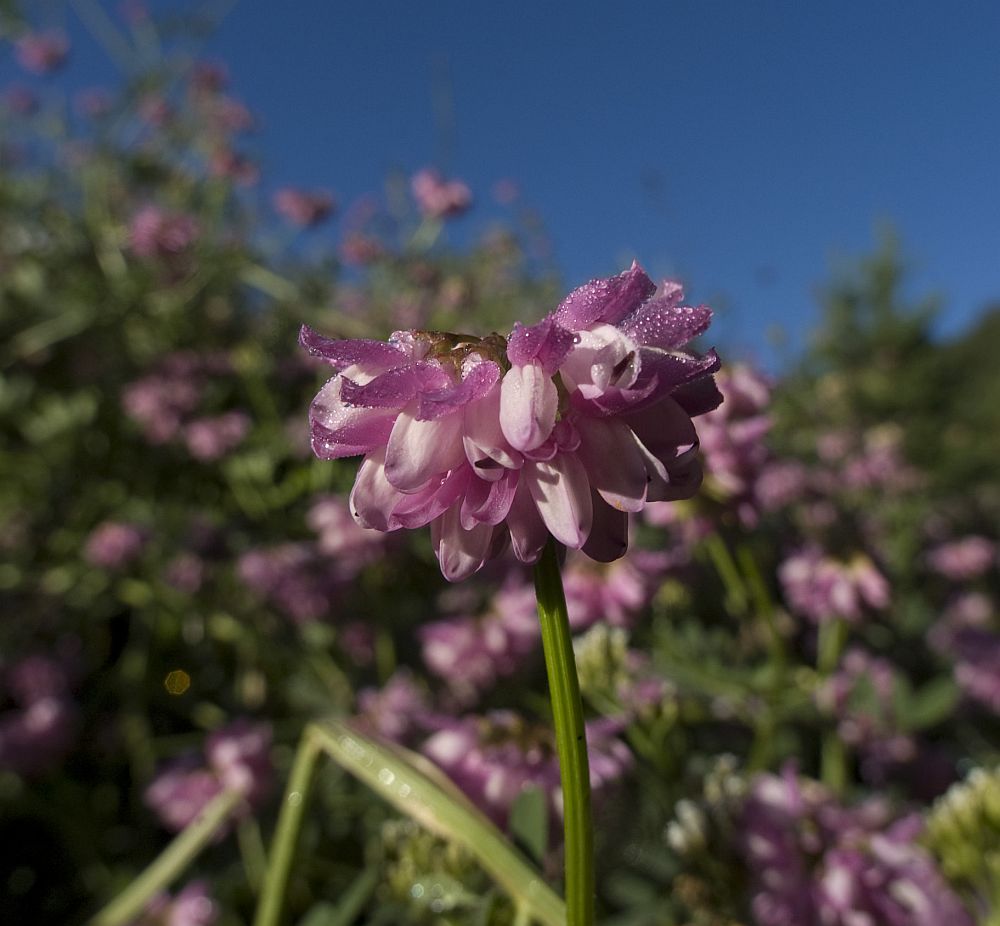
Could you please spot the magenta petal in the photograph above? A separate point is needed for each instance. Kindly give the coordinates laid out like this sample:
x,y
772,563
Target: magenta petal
x,y
420,508
419,450
368,354
528,404
394,388
460,552
614,464
677,368
528,533
561,491
546,342
339,430
659,323
372,497
492,506
475,386
608,538
606,300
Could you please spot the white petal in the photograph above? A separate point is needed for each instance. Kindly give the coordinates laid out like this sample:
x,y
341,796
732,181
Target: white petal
x,y
561,491
528,404
419,450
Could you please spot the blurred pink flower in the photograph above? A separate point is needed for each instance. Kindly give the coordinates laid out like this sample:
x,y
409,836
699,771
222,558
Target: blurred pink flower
x,y
192,906
154,232
20,100
302,207
41,52
225,162
93,102
963,559
114,544
210,439
480,454
822,588
438,198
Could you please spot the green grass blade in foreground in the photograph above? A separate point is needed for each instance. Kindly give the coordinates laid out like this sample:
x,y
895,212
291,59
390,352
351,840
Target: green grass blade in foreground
x,y
170,863
417,788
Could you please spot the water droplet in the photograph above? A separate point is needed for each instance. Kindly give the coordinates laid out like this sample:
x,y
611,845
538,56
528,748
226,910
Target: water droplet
x,y
386,777
295,798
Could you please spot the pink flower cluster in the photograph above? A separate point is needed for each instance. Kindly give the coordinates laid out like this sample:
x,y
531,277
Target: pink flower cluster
x,y
822,588
438,198
41,52
238,759
302,207
562,428
156,233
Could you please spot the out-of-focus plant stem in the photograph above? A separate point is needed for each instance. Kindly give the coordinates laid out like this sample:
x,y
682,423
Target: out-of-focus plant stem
x,y
833,758
282,852
571,739
170,863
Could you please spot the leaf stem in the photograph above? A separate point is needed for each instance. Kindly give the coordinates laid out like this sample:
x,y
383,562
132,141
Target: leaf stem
x,y
286,833
170,863
571,739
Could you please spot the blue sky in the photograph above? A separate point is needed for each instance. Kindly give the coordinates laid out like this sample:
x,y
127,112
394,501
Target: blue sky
x,y
743,145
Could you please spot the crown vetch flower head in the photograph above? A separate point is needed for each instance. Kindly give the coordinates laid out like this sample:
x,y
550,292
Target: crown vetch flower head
x,y
563,428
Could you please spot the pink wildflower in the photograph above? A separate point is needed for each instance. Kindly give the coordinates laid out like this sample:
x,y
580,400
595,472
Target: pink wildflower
x,y
156,233
41,52
822,588
438,198
561,429
304,208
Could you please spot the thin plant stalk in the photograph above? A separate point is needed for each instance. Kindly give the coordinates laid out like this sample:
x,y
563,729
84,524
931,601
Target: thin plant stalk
x,y
170,863
282,854
833,756
571,739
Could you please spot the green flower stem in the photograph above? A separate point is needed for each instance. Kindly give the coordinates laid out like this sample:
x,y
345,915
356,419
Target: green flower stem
x,y
286,834
833,757
170,863
571,740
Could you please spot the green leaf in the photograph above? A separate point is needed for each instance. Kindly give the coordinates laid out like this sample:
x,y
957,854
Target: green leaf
x,y
929,705
529,822
419,789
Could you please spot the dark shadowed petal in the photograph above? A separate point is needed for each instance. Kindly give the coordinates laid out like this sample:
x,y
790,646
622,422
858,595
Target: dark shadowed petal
x,y
615,466
340,354
476,385
661,324
608,538
606,300
698,397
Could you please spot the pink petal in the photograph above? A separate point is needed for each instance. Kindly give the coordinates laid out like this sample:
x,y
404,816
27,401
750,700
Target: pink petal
x,y
460,552
420,450
560,489
477,384
485,446
608,538
546,342
422,507
607,300
372,497
528,533
394,388
614,463
371,355
339,430
663,324
489,506
528,404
